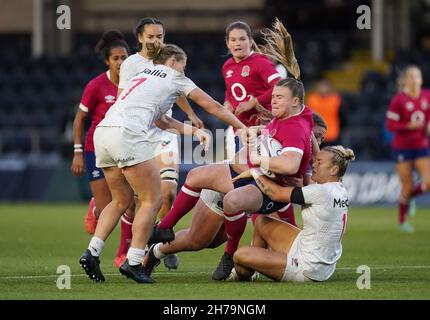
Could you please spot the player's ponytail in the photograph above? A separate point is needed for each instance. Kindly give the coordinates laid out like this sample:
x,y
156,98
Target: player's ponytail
x,y
109,40
278,46
341,157
159,53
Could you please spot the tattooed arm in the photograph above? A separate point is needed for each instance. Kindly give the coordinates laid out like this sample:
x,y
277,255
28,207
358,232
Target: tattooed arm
x,y
271,189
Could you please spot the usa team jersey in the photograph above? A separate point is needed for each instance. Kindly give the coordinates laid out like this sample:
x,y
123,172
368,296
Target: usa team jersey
x,y
404,109
99,95
147,96
132,66
254,76
325,215
294,134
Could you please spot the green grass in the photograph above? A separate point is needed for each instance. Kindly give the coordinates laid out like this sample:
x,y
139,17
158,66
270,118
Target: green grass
x,y
35,239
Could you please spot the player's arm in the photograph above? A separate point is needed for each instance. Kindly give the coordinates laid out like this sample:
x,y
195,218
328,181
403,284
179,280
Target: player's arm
x,y
182,102
215,108
287,163
170,124
77,167
276,192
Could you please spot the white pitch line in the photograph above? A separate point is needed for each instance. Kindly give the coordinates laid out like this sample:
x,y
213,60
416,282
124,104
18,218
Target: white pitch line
x,y
84,275
171,273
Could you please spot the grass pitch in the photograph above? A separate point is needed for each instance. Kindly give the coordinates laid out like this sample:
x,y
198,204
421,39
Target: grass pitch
x,y
37,238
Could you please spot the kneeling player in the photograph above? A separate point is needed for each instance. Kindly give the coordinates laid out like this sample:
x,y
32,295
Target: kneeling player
x,y
283,252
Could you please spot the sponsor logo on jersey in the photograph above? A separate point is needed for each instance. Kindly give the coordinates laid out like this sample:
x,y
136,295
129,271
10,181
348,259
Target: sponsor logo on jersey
x,y
229,74
155,72
110,99
245,71
272,133
340,203
409,106
418,116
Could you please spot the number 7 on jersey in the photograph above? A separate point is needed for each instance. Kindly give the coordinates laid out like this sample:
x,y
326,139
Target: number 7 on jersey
x,y
138,82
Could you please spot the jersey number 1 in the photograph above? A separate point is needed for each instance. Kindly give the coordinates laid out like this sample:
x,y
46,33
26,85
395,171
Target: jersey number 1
x,y
138,81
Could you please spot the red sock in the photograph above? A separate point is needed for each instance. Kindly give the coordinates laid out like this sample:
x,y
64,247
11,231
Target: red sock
x,y
126,235
234,228
184,202
418,189
403,211
253,218
288,215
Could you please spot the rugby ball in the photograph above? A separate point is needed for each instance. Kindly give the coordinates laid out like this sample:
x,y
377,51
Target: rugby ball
x,y
269,147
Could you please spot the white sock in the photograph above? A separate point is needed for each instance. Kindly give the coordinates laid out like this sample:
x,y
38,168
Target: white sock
x,y
157,252
135,256
96,246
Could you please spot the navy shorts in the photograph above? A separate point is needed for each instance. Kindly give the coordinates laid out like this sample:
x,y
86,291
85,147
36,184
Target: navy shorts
x,y
400,155
268,206
93,173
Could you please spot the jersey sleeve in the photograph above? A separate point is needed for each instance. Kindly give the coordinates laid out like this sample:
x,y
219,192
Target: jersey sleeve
x,y
125,74
89,97
293,138
269,75
183,84
393,116
314,194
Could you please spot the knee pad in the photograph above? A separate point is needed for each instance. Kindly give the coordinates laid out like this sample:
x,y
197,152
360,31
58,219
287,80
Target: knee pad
x,y
170,175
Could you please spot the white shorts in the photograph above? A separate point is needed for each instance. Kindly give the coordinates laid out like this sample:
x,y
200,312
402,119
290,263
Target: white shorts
x,y
213,200
293,271
168,143
116,147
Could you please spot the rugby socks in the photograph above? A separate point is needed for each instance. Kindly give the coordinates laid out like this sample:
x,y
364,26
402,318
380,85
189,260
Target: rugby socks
x,y
253,218
184,202
157,252
126,235
234,228
96,246
135,256
288,215
417,190
403,211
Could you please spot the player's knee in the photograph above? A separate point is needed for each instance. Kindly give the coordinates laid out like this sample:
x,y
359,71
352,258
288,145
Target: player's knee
x,y
242,255
407,191
169,195
426,185
194,175
232,202
122,203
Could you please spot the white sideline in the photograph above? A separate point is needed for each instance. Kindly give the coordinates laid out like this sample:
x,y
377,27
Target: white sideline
x,y
201,272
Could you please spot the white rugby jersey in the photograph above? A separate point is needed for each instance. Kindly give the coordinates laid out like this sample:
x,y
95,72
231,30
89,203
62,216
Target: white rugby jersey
x,y
324,215
148,95
130,67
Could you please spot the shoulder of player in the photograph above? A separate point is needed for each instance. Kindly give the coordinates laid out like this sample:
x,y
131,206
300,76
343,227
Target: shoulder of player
x,y
261,59
227,63
97,81
426,92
